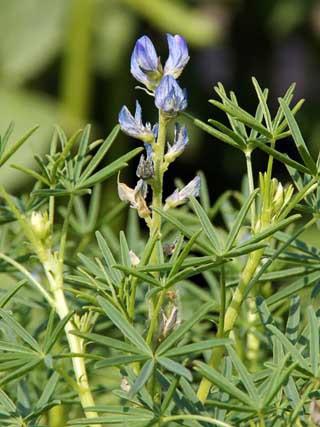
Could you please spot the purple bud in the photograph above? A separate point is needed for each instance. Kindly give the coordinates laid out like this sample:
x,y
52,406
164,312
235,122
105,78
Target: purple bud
x,y
169,97
178,55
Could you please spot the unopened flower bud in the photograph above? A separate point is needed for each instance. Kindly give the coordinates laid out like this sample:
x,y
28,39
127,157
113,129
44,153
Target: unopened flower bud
x,y
125,386
278,198
145,168
134,259
40,224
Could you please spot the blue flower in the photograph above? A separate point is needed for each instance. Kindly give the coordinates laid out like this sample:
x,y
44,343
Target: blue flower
x,y
169,97
145,64
178,55
181,139
179,197
133,126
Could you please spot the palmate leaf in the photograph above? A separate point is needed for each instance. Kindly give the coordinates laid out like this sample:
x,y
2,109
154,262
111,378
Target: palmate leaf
x,y
207,248
314,340
224,384
298,139
122,420
277,380
298,285
197,347
283,158
124,326
47,391
109,170
219,133
115,275
174,367
179,333
240,220
293,322
238,113
244,375
290,348
28,365
120,360
14,326
108,342
207,226
143,377
99,156
6,298
52,337
263,104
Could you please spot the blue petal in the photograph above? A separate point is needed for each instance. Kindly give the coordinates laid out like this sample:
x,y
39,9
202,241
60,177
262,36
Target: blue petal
x,y
146,54
144,60
178,55
169,97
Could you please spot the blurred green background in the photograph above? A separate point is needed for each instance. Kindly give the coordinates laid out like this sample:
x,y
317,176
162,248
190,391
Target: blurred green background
x,y
67,62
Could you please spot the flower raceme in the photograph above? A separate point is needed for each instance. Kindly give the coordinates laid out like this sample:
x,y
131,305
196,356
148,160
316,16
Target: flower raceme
x,y
170,99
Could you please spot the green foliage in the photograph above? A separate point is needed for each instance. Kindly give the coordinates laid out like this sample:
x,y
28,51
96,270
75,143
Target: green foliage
x,y
211,319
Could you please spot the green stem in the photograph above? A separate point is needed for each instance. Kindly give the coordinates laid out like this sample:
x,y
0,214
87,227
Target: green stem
x,y
231,315
261,421
53,267
155,227
64,231
157,184
222,302
251,187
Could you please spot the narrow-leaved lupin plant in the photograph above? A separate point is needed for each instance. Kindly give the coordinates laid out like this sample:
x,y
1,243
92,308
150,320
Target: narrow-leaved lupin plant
x,y
198,313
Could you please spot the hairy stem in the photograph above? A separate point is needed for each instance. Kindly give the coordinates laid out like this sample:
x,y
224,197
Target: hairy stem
x,y
157,184
155,228
231,315
54,271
